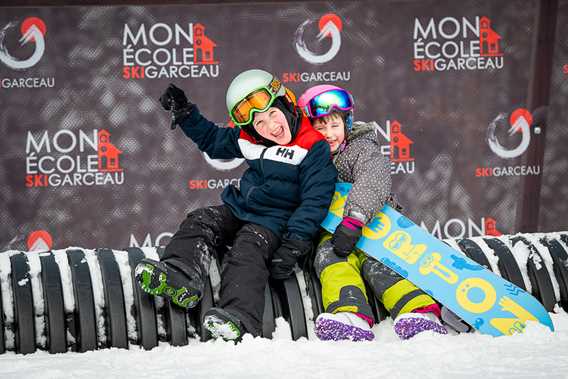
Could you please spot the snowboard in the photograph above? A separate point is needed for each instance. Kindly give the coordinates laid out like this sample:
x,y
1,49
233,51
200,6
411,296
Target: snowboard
x,y
484,300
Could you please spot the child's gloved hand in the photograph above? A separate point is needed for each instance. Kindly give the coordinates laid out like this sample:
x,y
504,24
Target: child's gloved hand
x,y
174,99
346,236
286,256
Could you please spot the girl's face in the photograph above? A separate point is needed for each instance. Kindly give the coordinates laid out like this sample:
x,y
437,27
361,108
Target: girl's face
x,y
332,128
272,125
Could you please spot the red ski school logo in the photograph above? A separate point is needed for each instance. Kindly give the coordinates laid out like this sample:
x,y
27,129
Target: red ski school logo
x,y
454,44
398,148
69,158
162,50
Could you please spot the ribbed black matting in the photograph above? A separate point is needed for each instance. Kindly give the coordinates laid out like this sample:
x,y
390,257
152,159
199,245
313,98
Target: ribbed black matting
x,y
473,251
143,308
507,263
78,330
54,305
268,320
564,238
204,305
23,304
176,324
293,307
117,329
84,318
314,290
539,276
276,303
560,267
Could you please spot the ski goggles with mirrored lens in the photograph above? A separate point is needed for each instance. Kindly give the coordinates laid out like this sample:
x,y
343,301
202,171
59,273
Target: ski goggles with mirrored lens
x,y
257,101
324,103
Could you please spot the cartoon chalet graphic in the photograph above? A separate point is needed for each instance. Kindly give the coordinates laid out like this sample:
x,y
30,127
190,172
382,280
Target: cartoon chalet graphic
x,y
491,227
108,154
488,39
202,46
400,144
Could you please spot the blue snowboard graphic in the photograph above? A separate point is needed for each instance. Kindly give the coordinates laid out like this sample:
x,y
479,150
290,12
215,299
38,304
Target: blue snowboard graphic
x,y
484,300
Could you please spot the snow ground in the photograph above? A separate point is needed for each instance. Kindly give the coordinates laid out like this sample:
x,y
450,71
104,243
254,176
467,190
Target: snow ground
x,y
538,353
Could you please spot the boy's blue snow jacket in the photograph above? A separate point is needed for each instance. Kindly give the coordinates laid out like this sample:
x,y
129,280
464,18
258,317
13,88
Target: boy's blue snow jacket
x,y
287,188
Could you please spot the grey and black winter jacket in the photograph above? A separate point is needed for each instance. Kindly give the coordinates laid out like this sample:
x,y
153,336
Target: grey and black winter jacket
x,y
362,164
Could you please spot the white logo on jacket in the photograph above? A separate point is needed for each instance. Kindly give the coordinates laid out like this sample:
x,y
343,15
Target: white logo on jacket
x,y
293,155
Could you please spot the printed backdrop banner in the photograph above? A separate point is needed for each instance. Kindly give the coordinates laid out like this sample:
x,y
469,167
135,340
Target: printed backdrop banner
x,y
89,159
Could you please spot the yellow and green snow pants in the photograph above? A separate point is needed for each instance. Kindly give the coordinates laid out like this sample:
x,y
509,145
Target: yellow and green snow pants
x,y
343,283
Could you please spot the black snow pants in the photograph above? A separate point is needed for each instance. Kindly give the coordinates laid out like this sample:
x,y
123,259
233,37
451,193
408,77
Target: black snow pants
x,y
244,270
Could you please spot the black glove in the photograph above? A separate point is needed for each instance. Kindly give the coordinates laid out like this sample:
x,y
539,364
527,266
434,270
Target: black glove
x,y
346,236
284,259
174,100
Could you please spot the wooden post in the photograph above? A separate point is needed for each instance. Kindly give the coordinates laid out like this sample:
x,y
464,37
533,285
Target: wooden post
x,y
527,219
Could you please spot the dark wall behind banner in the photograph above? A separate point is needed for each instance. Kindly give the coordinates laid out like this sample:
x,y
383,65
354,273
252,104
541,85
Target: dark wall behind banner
x,y
554,193
89,80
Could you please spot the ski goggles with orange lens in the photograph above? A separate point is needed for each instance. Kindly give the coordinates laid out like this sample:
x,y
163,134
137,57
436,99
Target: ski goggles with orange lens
x,y
257,101
324,103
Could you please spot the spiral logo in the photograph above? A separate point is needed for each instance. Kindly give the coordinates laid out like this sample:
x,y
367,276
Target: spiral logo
x,y
33,30
330,26
223,164
519,122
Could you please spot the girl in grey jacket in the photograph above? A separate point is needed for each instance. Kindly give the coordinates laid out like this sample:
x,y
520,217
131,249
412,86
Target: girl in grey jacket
x,y
342,269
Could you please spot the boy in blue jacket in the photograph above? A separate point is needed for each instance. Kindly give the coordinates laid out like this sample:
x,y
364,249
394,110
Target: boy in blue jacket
x,y
269,221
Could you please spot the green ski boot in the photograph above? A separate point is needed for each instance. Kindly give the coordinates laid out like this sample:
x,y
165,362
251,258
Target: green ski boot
x,y
221,324
161,279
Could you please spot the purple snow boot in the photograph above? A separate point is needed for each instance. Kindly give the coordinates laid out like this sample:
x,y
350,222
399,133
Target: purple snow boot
x,y
343,326
408,325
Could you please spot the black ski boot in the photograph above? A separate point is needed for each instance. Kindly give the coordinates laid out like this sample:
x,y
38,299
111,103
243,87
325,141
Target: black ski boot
x,y
222,324
161,279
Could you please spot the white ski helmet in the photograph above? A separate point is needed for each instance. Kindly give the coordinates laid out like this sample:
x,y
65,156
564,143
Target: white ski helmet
x,y
253,91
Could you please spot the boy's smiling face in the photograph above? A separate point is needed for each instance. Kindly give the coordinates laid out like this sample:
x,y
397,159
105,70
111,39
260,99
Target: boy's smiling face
x,y
332,128
273,126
